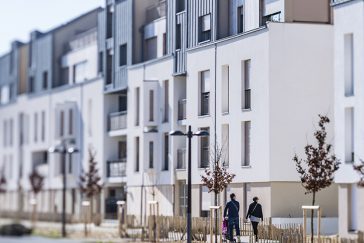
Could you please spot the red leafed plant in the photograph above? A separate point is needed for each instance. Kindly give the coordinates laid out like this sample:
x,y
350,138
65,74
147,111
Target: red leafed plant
x,y
318,168
360,169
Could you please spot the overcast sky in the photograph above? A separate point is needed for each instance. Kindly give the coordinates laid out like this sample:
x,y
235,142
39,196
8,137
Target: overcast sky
x,y
19,17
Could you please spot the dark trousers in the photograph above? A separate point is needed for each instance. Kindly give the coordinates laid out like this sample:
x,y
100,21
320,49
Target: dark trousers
x,y
255,229
233,223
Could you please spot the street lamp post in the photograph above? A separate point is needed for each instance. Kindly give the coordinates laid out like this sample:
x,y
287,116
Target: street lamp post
x,y
63,150
189,135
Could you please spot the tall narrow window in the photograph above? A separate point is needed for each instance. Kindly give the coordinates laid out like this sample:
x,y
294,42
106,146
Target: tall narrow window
x,y
205,201
178,36
137,106
205,149
180,5
11,131
122,149
90,117
182,186
225,89
151,47
45,80
65,72
166,152
151,155
109,64
101,62
349,64
151,105
109,21
204,28
61,124
164,44
123,55
35,127
245,136
349,135
166,101
123,102
31,85
137,155
246,94
204,93
70,122
43,126
225,144
240,19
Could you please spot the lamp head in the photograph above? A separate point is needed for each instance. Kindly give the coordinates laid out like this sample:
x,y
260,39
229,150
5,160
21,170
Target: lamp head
x,y
202,133
177,133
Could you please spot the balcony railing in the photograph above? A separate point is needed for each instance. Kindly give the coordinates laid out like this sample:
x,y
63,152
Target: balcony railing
x,y
181,159
247,99
156,11
182,109
117,121
116,168
274,17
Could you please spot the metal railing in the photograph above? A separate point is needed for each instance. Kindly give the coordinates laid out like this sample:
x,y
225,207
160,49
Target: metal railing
x,y
118,120
182,109
181,159
116,168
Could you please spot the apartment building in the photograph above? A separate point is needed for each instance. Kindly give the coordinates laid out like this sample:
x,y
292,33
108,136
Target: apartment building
x,y
348,39
50,92
246,71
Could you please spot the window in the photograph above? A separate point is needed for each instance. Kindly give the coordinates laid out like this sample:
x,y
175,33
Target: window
x,y
45,80
246,95
349,135
204,92
166,152
65,75
122,55
225,144
122,149
241,19
11,131
205,28
182,186
245,137
151,155
166,101
205,201
178,36
137,156
90,117
109,21
43,126
123,102
35,127
225,89
137,106
70,122
61,122
349,64
101,62
151,105
205,149
31,84
79,72
164,44
150,48
70,167
180,5
109,64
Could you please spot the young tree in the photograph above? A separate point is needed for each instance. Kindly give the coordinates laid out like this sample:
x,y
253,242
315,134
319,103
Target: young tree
x,y
318,168
360,169
216,178
36,182
90,182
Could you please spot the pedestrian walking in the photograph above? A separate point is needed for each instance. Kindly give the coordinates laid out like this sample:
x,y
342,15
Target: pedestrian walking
x,y
231,212
255,214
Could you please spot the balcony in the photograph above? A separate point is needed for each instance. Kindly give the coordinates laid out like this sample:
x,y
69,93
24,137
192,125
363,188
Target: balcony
x,y
182,109
181,159
116,168
156,11
118,121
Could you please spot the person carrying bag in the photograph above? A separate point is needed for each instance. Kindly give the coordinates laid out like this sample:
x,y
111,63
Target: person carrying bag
x,y
255,214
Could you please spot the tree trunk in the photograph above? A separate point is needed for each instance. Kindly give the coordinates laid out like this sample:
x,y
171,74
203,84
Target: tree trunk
x,y
313,204
216,216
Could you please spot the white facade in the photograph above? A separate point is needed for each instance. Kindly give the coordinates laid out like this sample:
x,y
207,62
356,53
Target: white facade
x,y
348,39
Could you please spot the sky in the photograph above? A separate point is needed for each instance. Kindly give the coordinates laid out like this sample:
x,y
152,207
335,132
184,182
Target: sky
x,y
19,17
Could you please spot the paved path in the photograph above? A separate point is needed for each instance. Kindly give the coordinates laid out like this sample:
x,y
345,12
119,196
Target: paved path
x,y
35,239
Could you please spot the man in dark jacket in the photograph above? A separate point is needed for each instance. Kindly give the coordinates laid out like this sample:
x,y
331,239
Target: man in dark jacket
x,y
232,212
255,214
